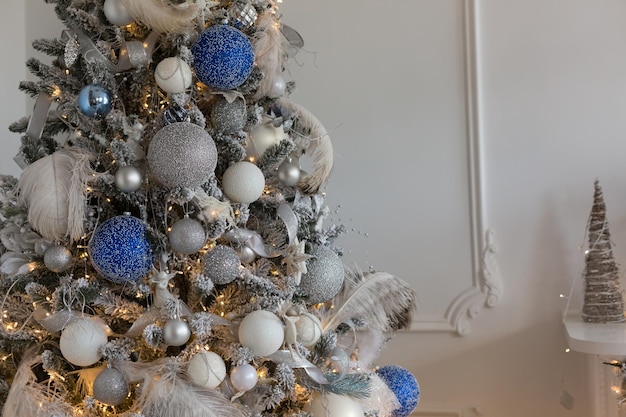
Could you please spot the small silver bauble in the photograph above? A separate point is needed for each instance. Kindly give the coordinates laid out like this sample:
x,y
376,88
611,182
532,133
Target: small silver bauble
x,y
176,332
324,276
279,86
244,377
187,236
221,264
246,255
110,387
57,258
228,117
128,179
289,173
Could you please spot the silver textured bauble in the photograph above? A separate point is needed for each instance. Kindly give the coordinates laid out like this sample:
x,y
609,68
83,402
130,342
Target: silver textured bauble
x,y
289,173
57,258
187,236
221,264
110,387
324,276
182,155
176,332
228,117
128,179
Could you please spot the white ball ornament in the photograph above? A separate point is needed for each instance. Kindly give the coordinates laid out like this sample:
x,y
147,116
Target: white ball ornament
x,y
81,341
308,329
176,332
262,332
244,377
264,136
128,179
116,13
279,86
206,369
173,75
243,182
333,405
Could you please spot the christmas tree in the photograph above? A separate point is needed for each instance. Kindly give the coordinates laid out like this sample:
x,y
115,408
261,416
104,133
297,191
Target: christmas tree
x,y
603,302
164,253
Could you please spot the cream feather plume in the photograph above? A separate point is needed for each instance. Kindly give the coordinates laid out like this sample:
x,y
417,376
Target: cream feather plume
x,y
27,398
161,16
53,189
384,302
269,53
166,392
314,138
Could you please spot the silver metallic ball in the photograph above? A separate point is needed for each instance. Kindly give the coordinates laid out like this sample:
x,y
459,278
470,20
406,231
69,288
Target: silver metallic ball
x,y
289,173
128,179
57,258
187,236
110,387
176,332
246,255
228,117
279,86
221,264
324,276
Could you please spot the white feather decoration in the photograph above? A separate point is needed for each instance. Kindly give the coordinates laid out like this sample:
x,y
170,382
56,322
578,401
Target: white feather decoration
x,y
165,392
316,142
269,53
27,398
53,189
161,16
384,302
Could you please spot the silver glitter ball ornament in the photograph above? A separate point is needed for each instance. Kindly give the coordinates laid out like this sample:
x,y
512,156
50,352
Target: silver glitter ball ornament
x,y
228,117
221,264
187,236
110,387
176,332
242,14
57,258
182,155
324,276
128,179
289,173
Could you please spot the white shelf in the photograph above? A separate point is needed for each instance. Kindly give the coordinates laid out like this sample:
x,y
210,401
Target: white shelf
x,y
596,338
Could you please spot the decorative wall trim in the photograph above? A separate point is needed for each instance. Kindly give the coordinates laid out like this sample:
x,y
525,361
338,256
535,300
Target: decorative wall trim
x,y
485,287
471,411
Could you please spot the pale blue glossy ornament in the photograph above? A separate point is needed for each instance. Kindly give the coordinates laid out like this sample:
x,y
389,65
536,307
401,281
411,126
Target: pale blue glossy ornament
x,y
95,101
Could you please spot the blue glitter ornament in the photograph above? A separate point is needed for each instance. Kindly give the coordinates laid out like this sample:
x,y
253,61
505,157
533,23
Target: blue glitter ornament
x,y
223,57
119,249
404,386
94,101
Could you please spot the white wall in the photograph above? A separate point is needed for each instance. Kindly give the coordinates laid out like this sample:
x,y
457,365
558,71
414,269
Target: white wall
x,y
553,106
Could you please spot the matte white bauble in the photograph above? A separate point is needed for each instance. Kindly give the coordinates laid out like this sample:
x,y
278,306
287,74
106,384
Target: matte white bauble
x,y
243,182
278,87
116,13
262,332
308,329
333,405
81,341
264,136
244,377
206,369
173,75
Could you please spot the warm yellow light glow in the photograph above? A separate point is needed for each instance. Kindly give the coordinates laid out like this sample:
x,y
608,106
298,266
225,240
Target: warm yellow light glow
x,y
567,350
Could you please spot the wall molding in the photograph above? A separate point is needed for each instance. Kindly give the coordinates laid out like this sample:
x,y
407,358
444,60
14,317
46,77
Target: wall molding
x,y
470,411
485,285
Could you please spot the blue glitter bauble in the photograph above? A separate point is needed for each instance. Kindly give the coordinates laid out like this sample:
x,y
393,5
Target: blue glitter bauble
x,y
223,57
94,101
404,386
119,249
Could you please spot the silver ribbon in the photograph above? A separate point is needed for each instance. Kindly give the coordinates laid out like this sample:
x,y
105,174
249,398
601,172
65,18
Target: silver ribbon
x,y
286,214
296,361
251,239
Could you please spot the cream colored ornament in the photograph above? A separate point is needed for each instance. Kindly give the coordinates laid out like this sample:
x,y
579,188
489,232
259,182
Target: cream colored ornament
x,y
264,136
173,75
333,405
243,182
262,332
81,341
308,329
206,369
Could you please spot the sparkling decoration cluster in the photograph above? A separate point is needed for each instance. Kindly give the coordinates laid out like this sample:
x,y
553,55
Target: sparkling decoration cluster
x,y
171,257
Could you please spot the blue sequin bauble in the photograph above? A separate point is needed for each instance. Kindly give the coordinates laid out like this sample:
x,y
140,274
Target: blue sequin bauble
x,y
119,249
94,101
404,386
223,57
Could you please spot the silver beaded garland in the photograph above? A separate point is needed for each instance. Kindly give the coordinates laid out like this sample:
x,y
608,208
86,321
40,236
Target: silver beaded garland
x,y
176,332
128,179
57,258
221,264
110,387
324,276
187,236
